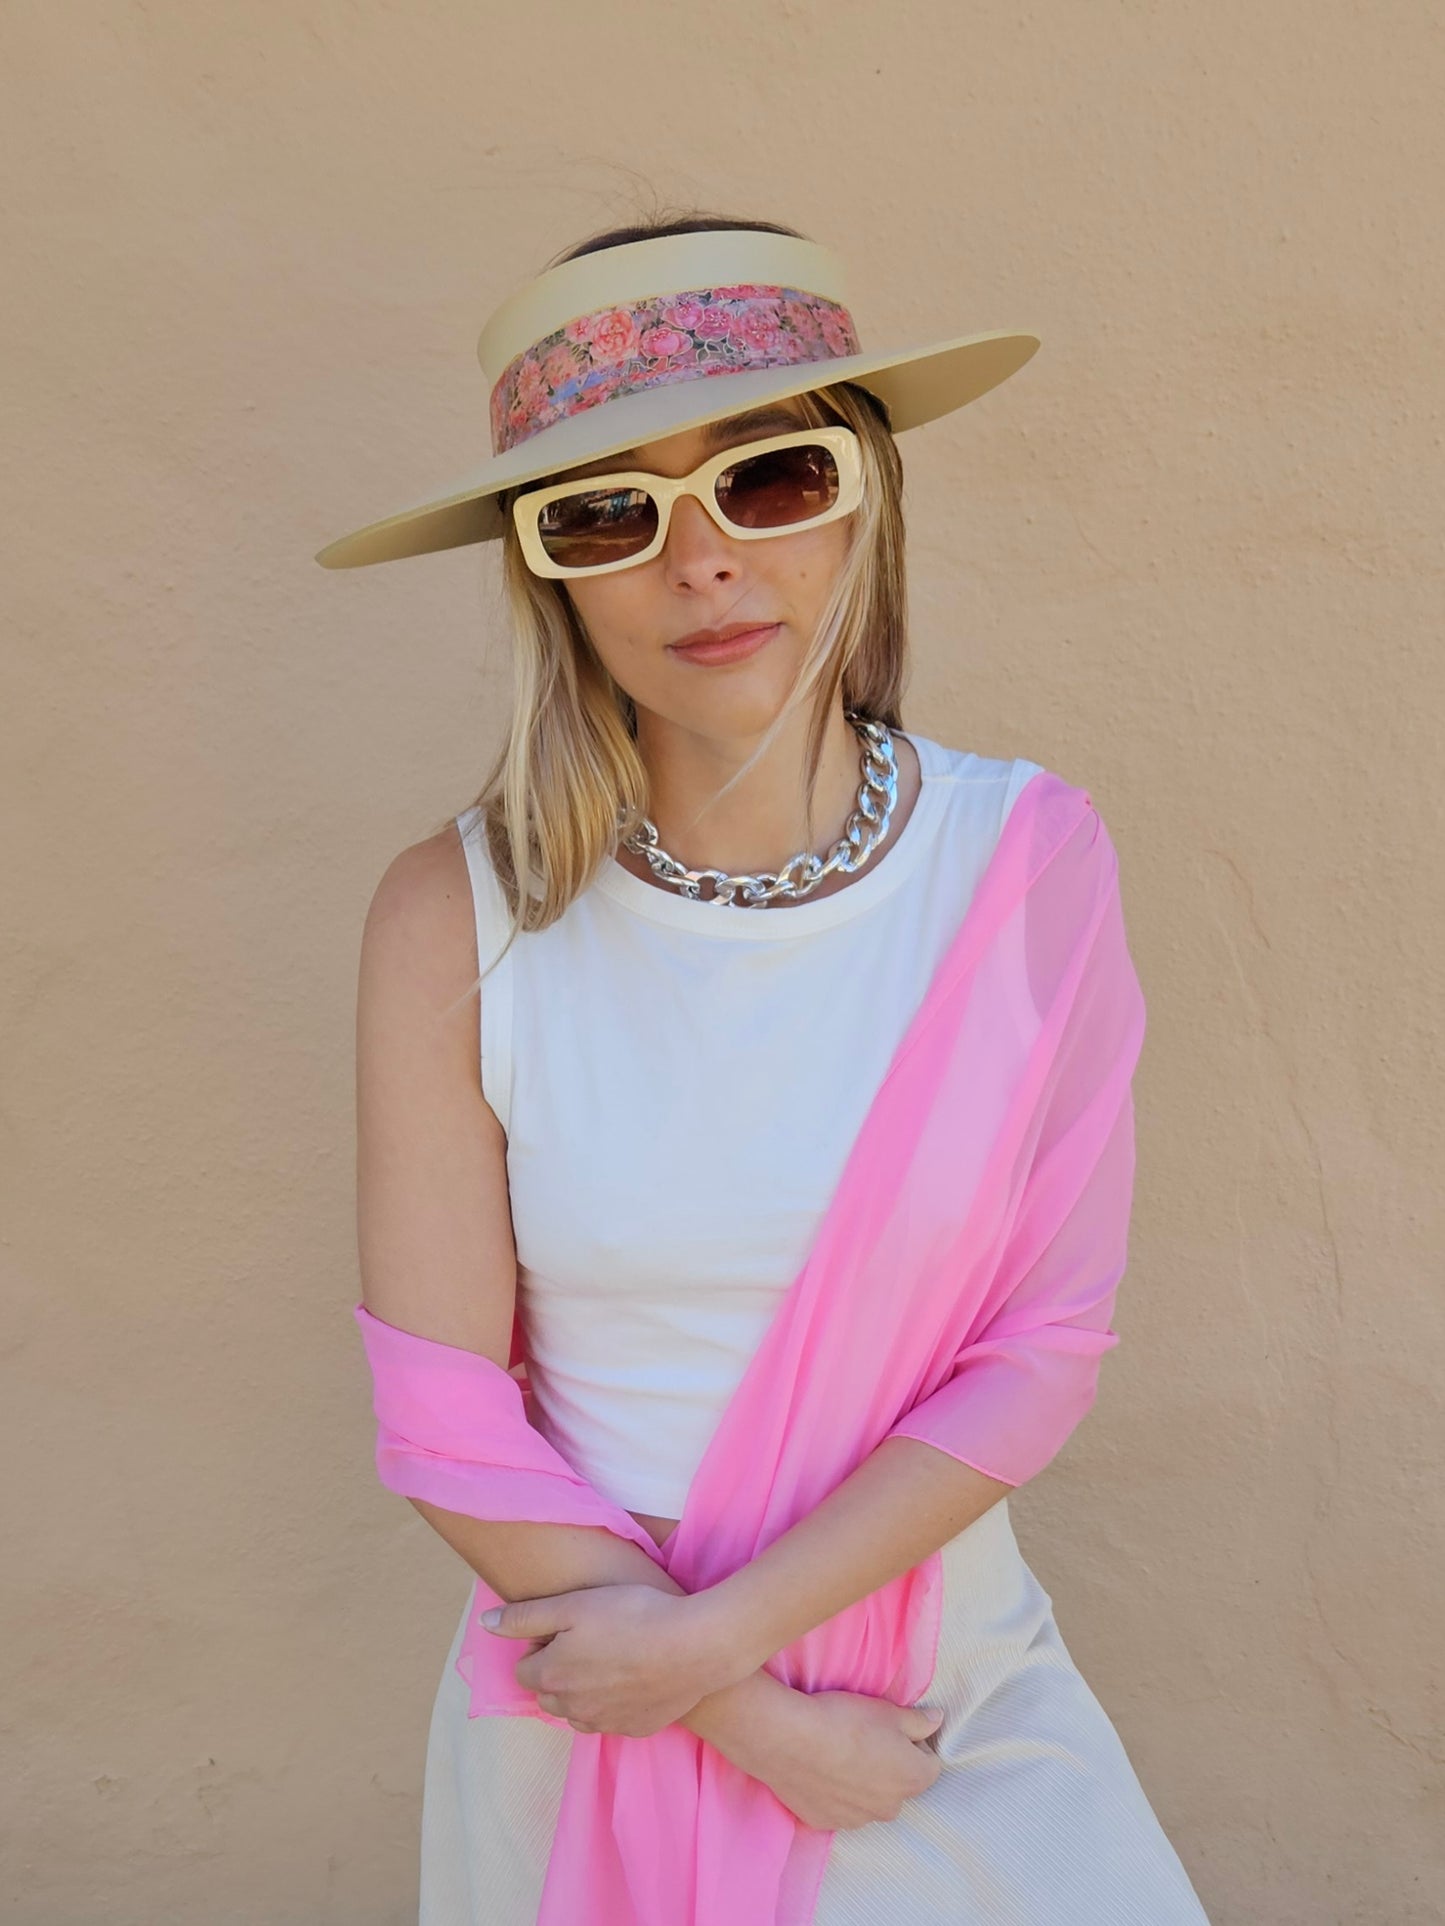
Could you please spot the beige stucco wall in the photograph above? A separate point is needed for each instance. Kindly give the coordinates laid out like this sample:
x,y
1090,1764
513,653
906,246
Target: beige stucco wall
x,y
1191,559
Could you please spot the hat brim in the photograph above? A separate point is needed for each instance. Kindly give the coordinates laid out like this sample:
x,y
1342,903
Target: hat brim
x,y
915,384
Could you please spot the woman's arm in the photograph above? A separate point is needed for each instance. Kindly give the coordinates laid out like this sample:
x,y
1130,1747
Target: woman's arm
x,y
525,1561
906,1500
434,1230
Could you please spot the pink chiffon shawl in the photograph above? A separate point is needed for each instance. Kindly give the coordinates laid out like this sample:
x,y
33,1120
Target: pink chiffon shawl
x,y
959,1292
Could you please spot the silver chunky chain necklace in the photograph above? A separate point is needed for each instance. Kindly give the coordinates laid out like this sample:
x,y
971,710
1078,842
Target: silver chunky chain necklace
x,y
866,828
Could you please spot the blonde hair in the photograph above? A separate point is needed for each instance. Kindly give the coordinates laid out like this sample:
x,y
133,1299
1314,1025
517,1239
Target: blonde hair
x,y
569,763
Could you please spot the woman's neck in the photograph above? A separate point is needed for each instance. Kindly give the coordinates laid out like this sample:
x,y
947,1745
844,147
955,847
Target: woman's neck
x,y
759,825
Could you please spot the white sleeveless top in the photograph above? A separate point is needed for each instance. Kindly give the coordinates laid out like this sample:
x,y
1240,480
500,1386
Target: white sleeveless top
x,y
681,1083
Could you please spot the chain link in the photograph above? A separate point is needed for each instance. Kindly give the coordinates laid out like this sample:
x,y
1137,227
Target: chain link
x,y
867,826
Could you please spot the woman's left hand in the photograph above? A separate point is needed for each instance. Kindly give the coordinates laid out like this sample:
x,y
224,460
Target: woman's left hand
x,y
628,1659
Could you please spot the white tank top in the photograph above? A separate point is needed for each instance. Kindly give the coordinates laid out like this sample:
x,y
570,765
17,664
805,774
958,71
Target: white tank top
x,y
680,1083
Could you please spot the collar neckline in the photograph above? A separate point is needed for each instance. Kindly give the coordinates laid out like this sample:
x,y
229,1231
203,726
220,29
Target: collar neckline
x,y
886,870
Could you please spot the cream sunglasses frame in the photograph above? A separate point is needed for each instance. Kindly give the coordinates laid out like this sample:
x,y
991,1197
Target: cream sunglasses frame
x,y
841,442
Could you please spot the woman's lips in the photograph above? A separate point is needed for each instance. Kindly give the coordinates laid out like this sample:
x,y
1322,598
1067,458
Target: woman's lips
x,y
733,649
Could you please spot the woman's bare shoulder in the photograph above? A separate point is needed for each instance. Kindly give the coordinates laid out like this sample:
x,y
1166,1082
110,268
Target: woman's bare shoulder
x,y
420,915
418,989
433,1215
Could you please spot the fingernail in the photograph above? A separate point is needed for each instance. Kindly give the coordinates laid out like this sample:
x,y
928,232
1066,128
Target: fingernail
x,y
493,1618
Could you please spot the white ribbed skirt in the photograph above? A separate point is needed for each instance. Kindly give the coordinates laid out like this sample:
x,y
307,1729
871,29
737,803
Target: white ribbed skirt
x,y
1037,1818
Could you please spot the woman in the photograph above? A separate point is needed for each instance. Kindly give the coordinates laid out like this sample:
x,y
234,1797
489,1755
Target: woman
x,y
686,1018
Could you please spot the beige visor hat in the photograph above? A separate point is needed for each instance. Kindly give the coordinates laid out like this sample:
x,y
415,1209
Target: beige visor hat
x,y
620,347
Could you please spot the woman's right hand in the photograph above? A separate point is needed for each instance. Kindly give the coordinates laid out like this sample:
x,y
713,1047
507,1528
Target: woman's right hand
x,y
838,1760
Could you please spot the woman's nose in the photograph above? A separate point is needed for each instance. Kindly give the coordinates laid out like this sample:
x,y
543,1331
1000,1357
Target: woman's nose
x,y
696,551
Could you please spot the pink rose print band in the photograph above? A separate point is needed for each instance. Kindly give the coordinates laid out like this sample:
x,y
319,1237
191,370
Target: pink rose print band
x,y
670,337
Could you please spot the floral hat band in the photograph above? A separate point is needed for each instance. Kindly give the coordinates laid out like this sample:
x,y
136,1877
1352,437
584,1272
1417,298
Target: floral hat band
x,y
669,337
609,350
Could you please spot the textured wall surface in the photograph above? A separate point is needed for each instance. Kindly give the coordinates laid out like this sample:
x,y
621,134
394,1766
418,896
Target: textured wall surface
x,y
1190,558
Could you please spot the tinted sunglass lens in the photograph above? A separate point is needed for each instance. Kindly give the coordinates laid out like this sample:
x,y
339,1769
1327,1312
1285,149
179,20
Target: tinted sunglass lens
x,y
603,525
776,489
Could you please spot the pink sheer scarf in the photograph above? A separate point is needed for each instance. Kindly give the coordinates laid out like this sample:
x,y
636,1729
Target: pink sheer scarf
x,y
959,1291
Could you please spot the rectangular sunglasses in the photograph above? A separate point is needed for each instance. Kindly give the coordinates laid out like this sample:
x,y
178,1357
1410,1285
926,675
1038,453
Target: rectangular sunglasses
x,y
770,487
